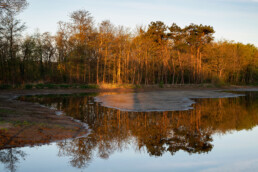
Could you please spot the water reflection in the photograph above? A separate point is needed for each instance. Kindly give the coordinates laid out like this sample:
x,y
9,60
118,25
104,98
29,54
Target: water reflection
x,y
11,157
155,133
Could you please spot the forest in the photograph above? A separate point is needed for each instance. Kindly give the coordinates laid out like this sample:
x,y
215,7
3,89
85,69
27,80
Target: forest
x,y
88,53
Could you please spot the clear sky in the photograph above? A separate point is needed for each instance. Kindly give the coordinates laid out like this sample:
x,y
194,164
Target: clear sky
x,y
232,19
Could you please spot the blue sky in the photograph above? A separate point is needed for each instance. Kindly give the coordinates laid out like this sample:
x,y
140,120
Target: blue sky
x,y
232,19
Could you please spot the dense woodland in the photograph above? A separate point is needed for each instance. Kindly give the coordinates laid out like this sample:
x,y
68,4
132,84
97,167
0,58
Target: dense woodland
x,y
84,52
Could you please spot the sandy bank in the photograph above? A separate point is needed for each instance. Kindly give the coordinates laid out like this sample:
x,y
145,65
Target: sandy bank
x,y
158,100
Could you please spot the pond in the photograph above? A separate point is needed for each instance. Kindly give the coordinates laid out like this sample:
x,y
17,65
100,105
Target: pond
x,y
216,135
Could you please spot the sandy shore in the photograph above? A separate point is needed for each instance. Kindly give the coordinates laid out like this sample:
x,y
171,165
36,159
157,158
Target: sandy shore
x,y
159,100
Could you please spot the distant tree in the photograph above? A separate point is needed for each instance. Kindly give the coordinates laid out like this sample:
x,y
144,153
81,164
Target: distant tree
x,y
157,31
106,40
81,41
12,6
197,37
28,67
11,31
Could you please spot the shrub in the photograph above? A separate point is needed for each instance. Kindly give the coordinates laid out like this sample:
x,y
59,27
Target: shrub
x,y
40,86
89,86
218,82
65,86
51,86
18,86
161,84
137,86
5,86
28,86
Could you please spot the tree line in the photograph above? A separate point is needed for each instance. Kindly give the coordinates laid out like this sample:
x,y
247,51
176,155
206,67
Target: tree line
x,y
83,52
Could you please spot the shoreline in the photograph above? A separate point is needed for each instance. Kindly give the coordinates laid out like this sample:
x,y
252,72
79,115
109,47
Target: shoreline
x,y
25,123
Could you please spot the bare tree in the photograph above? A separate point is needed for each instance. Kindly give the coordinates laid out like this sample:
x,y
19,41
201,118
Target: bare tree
x,y
12,5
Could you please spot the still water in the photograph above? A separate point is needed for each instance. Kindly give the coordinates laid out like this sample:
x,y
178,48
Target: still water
x,y
217,135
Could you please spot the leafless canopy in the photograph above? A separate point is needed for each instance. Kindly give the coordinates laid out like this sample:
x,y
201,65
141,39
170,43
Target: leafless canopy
x,y
12,5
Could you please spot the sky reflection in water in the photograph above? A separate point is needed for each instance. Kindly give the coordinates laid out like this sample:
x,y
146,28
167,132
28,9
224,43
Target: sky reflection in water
x,y
218,135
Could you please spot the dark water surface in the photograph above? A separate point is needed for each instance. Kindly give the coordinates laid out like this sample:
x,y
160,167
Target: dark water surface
x,y
218,135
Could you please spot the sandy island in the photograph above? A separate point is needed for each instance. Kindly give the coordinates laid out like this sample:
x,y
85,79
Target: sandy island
x,y
159,100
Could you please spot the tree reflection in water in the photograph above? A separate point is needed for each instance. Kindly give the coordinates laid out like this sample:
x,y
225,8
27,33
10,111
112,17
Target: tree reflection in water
x,y
154,132
11,157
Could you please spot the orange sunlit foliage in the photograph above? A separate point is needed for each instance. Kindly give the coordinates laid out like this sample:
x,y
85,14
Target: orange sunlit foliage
x,y
82,52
